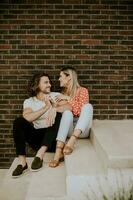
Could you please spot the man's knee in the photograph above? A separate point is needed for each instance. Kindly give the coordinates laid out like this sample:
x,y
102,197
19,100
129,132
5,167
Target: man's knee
x,y
19,121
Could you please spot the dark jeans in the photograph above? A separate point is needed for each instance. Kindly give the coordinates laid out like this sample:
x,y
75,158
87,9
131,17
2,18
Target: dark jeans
x,y
24,132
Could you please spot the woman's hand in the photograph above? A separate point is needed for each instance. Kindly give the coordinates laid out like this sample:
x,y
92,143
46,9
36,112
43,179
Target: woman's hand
x,y
61,103
62,97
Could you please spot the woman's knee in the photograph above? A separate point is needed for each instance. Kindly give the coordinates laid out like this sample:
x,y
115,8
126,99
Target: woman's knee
x,y
87,107
67,114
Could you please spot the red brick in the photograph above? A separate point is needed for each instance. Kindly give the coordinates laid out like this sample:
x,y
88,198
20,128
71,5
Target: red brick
x,y
93,36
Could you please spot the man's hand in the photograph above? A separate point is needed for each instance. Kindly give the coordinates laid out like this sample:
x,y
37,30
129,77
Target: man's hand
x,y
47,101
53,102
51,117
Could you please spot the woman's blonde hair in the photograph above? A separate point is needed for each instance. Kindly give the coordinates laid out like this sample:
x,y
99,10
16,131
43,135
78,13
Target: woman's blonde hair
x,y
74,84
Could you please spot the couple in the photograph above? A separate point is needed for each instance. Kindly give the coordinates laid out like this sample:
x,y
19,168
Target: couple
x,y
48,118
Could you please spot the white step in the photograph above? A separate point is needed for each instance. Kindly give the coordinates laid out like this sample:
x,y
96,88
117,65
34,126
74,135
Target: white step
x,y
46,184
2,175
81,165
83,160
15,189
88,179
79,177
113,141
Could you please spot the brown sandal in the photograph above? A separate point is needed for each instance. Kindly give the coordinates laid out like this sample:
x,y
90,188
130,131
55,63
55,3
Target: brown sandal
x,y
55,163
67,149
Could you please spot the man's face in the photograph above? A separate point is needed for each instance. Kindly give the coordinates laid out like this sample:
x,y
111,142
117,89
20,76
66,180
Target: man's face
x,y
44,85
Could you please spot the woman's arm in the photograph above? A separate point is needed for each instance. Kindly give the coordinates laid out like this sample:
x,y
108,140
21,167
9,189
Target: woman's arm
x,y
62,104
63,107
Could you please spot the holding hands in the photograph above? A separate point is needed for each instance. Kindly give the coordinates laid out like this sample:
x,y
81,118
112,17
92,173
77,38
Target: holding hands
x,y
50,103
60,104
51,117
62,97
46,99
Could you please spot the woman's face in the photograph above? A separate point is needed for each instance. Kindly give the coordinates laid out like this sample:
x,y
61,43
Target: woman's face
x,y
64,79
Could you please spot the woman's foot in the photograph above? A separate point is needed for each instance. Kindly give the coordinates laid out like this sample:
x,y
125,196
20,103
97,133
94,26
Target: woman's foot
x,y
59,157
69,147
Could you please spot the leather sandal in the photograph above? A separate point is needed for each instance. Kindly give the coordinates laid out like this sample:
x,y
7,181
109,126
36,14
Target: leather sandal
x,y
55,163
67,149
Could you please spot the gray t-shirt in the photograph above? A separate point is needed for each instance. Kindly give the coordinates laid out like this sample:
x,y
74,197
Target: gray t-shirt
x,y
36,104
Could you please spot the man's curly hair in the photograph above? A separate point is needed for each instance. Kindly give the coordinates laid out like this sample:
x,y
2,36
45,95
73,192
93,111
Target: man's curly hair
x,y
33,87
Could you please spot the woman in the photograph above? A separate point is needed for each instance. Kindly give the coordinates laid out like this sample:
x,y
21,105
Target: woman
x,y
77,98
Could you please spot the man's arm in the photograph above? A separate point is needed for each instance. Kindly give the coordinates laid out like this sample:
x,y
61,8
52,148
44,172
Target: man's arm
x,y
31,115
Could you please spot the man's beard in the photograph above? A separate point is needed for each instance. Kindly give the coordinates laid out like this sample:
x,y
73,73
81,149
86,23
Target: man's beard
x,y
46,92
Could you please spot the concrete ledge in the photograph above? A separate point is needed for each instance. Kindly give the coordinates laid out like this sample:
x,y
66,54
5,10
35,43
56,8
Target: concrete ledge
x,y
15,189
83,160
48,183
82,164
113,141
110,146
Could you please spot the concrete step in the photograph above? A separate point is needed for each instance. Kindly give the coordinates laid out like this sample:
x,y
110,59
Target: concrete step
x,y
81,165
48,183
113,142
2,175
15,189
78,178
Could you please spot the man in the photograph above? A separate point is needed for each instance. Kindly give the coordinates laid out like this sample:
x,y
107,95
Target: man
x,y
39,125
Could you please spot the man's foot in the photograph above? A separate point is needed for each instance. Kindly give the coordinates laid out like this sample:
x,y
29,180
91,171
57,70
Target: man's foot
x,y
36,164
19,171
59,157
69,147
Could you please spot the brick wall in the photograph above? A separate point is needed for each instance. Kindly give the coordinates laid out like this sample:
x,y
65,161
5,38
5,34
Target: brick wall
x,y
94,36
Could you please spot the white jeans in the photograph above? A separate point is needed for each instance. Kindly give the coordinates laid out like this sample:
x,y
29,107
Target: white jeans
x,y
68,123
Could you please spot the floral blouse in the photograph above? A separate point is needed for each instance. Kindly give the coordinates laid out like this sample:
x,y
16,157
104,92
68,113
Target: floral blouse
x,y
81,98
